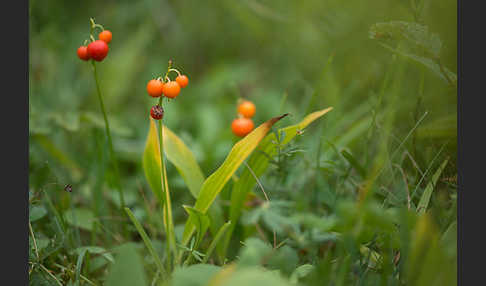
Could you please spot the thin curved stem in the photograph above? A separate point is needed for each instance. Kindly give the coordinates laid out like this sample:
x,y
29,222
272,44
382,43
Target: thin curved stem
x,y
110,142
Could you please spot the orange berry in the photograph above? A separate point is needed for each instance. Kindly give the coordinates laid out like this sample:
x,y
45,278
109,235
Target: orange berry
x,y
155,88
171,89
247,109
105,36
182,80
242,126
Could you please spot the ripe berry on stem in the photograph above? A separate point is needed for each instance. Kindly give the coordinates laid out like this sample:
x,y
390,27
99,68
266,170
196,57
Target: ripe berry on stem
x,y
182,80
83,53
105,36
98,50
171,89
155,88
247,109
242,126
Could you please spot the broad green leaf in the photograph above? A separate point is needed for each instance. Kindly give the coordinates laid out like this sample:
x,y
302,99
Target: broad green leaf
x,y
128,269
184,161
215,183
151,161
152,166
259,162
425,199
82,218
36,212
194,275
177,153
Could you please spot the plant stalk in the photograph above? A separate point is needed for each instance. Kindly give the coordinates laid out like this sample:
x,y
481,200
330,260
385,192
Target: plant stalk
x,y
110,141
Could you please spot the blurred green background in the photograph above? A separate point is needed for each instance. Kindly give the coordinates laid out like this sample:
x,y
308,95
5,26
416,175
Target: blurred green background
x,y
285,56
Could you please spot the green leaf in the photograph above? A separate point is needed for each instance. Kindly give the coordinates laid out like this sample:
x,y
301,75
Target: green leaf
x,y
350,158
151,161
95,250
194,275
413,41
215,183
184,161
152,166
425,199
128,269
259,162
36,212
82,218
201,221
301,272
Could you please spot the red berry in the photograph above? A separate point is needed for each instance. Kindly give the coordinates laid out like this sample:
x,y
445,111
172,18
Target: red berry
x,y
157,112
242,126
105,36
98,50
182,80
172,89
83,53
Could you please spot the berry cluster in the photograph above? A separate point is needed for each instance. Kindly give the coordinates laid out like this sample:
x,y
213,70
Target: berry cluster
x,y
166,87
243,125
96,49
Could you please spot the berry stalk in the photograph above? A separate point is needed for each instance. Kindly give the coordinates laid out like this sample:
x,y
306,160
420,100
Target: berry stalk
x,y
170,239
108,135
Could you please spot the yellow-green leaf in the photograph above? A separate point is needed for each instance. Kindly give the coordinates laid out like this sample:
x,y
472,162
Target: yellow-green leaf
x,y
151,161
185,162
259,162
215,183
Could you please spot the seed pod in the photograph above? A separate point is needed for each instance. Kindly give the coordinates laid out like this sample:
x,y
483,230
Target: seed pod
x,y
157,112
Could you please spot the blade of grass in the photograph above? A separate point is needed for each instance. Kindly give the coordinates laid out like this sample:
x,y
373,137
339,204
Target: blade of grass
x,y
216,240
425,199
146,240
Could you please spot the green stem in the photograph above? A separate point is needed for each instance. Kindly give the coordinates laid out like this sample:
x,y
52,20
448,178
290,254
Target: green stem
x,y
110,142
164,190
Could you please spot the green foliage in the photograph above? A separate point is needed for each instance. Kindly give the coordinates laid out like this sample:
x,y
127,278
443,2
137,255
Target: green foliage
x,y
366,195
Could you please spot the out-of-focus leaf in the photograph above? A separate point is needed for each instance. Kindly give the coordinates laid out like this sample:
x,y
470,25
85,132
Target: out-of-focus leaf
x,y
215,183
194,275
300,272
413,41
416,37
58,154
128,269
425,199
82,218
439,128
95,250
36,212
